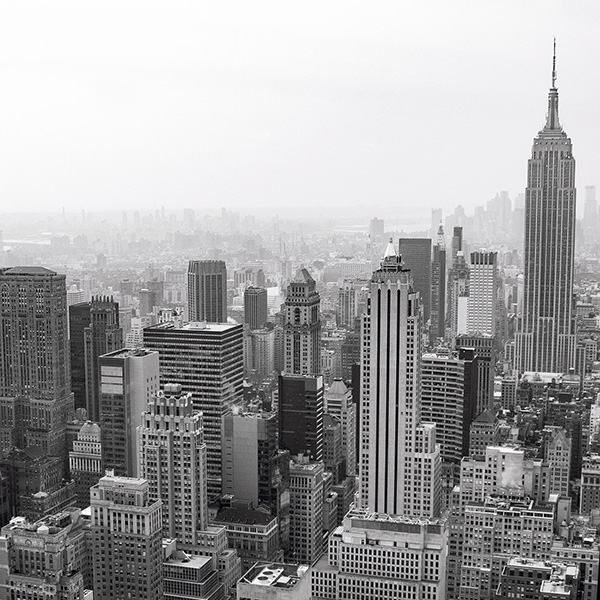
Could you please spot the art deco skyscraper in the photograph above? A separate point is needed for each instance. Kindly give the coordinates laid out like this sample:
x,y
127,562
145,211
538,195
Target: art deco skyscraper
x,y
207,291
35,378
302,326
546,340
400,464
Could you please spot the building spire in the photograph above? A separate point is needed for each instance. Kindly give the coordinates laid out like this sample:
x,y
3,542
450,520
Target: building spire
x,y
554,66
552,122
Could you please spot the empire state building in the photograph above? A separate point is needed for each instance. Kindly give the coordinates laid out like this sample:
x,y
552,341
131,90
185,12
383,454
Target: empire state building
x,y
546,340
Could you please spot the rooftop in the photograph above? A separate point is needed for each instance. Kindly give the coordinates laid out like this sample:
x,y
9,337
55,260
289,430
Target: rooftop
x,y
29,271
277,575
195,326
246,516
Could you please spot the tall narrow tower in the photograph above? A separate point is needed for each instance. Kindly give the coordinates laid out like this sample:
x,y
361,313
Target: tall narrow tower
x,y
302,327
207,291
546,340
400,464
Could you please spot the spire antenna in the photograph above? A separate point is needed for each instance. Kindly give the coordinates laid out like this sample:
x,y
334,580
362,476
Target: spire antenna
x,y
554,66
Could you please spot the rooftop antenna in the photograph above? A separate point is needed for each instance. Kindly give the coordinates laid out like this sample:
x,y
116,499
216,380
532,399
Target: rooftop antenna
x,y
554,66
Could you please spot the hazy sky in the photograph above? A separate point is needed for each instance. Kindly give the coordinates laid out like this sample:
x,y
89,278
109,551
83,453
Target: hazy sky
x,y
382,108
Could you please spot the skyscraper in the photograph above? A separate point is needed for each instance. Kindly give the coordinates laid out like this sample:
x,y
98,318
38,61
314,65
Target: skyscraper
x,y
437,328
302,326
546,340
126,539
102,335
172,458
483,293
128,381
35,375
301,415
207,291
206,359
256,312
400,464
416,254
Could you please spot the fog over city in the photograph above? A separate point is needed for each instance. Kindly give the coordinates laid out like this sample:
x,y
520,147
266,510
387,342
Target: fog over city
x,y
381,108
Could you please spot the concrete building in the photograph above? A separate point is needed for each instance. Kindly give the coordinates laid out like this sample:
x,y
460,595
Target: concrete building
x,y
256,312
302,326
557,453
458,295
35,378
483,292
416,256
102,336
301,415
495,531
189,576
207,291
437,328
366,560
545,341
537,579
85,462
275,581
400,463
254,469
253,533
46,559
126,540
172,458
338,403
589,498
206,359
306,510
129,379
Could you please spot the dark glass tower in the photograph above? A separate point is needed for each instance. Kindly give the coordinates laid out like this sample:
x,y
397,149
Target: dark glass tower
x,y
207,291
546,340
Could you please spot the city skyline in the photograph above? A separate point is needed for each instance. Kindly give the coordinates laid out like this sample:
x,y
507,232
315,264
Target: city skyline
x,y
248,109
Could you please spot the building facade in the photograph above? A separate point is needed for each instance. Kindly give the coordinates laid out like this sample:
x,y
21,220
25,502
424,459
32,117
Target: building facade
x,y
546,339
207,291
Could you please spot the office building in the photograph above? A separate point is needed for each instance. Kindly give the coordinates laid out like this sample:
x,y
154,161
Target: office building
x,y
207,291
416,255
253,533
456,245
35,377
547,580
589,498
546,338
254,469
129,379
448,399
400,464
126,540
484,348
301,415
256,312
557,453
172,459
206,359
458,295
306,510
302,326
275,581
79,319
494,532
383,556
44,559
347,306
186,575
437,328
101,336
85,462
483,294
338,402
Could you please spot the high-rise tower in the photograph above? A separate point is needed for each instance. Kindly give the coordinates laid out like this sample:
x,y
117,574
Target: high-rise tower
x,y
302,326
546,340
207,291
35,375
437,328
400,464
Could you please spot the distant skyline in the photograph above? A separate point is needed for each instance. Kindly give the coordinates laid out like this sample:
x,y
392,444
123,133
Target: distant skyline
x,y
383,109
